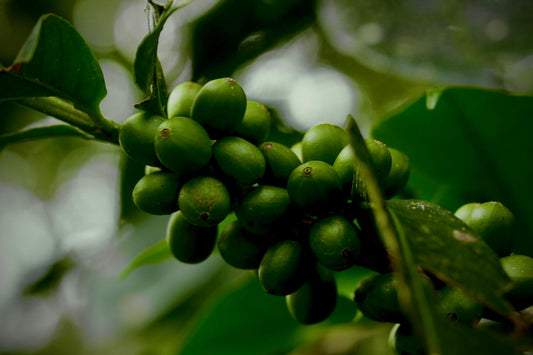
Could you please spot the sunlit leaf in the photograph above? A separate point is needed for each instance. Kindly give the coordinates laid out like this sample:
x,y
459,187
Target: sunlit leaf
x,y
155,254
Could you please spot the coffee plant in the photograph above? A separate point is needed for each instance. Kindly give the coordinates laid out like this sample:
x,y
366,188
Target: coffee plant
x,y
452,277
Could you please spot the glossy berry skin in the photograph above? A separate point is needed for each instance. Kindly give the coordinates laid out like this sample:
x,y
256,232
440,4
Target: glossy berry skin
x,y
240,248
136,137
314,187
381,158
297,149
255,126
219,106
182,145
458,307
377,298
344,165
204,201
188,243
263,209
403,341
280,162
493,222
315,300
239,160
323,142
282,268
334,242
157,193
181,98
519,268
398,174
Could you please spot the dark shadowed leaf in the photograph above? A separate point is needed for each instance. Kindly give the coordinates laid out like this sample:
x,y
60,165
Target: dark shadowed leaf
x,y
149,74
443,245
469,145
55,61
245,320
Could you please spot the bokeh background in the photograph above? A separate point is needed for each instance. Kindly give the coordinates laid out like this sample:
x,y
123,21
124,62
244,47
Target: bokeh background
x,y
67,227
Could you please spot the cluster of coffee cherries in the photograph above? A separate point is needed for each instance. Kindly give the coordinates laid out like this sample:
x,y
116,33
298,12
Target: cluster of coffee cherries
x,y
295,217
300,215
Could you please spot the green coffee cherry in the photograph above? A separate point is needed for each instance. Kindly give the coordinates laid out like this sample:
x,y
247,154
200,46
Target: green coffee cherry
x,y
188,243
280,162
219,106
323,142
240,248
157,193
381,158
282,268
239,159
377,297
344,165
204,201
255,126
403,341
182,145
314,187
334,242
297,149
136,137
456,306
316,299
263,209
181,98
398,174
493,222
519,268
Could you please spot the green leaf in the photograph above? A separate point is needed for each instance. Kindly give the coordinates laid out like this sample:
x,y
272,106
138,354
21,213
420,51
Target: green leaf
x,y
468,145
55,61
155,254
42,133
234,32
444,245
245,319
149,74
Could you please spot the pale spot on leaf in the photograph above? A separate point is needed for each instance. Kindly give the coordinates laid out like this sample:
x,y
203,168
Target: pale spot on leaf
x,y
464,237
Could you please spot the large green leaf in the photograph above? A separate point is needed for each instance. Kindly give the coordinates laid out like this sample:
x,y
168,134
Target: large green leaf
x,y
244,320
469,145
55,61
234,32
443,245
